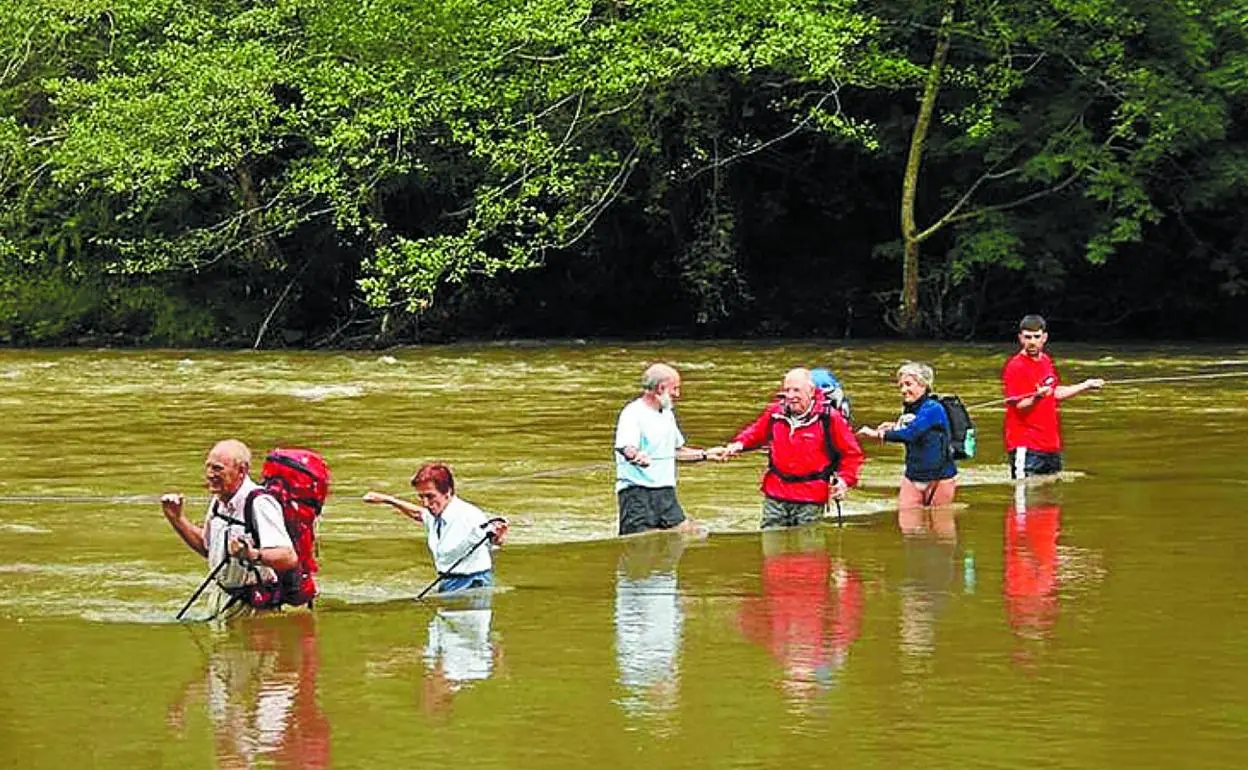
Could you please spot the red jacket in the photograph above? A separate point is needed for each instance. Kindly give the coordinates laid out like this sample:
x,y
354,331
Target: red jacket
x,y
801,454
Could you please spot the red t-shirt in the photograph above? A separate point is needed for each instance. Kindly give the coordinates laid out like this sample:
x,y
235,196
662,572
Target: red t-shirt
x,y
1031,582
1036,428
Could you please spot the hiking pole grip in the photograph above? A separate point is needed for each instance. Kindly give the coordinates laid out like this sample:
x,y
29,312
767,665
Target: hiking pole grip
x,y
201,588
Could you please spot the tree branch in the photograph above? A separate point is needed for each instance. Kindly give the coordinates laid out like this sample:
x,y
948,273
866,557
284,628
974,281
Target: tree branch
x,y
833,94
264,327
1019,202
952,213
614,188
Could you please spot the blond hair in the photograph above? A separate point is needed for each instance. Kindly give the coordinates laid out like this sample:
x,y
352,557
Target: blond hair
x,y
921,372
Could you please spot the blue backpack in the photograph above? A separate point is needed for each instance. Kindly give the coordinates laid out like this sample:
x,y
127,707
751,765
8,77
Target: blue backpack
x,y
833,393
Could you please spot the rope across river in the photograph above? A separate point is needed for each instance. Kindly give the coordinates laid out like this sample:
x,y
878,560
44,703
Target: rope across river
x,y
124,499
1127,381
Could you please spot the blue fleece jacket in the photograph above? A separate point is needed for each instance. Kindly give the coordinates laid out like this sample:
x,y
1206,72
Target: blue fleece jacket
x,y
926,436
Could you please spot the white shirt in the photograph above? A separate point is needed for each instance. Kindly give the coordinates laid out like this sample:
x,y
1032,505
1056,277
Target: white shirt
x,y
270,526
648,630
654,432
459,530
460,639
253,728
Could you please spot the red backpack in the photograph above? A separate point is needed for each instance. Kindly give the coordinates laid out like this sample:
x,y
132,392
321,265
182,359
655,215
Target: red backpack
x,y
299,480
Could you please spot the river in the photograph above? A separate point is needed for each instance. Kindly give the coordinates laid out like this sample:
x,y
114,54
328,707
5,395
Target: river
x,y
1098,621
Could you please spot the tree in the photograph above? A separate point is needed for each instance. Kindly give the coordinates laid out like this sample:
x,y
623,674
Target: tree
x,y
1046,99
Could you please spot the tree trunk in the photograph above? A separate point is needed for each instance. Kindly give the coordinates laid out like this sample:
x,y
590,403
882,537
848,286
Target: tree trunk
x,y
909,317
261,250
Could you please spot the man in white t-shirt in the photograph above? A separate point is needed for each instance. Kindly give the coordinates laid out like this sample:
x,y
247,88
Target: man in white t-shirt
x,y
251,559
648,443
455,528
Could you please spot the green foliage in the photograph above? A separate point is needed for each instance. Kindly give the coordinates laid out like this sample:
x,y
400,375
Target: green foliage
x,y
147,145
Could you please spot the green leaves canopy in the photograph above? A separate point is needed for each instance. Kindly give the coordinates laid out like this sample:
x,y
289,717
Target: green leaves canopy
x,y
445,139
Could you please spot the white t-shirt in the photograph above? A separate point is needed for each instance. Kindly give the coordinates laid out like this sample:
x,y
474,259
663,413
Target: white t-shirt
x,y
654,432
648,630
459,530
270,525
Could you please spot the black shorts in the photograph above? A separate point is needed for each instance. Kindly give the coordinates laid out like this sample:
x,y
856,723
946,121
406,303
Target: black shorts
x,y
1026,462
644,508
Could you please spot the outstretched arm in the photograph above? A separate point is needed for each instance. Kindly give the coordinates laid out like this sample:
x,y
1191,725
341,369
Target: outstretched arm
x,y
751,436
1063,392
409,509
688,454
923,421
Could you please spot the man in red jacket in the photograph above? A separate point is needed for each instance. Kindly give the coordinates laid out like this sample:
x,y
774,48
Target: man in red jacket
x,y
814,455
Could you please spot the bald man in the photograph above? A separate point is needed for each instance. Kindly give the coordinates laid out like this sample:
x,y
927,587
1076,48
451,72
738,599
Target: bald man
x,y
647,445
224,535
813,453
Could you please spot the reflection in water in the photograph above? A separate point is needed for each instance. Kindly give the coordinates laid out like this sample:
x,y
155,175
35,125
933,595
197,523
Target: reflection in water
x,y
809,613
459,651
260,687
930,536
1031,567
648,623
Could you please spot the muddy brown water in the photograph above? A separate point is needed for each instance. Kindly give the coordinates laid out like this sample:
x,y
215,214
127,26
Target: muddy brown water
x,y
1101,621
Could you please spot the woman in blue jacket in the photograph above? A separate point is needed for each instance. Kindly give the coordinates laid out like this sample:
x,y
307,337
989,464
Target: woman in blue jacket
x,y
930,478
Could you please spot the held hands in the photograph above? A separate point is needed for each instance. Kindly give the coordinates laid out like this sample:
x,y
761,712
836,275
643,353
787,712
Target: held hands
x,y
878,431
377,497
1093,383
718,454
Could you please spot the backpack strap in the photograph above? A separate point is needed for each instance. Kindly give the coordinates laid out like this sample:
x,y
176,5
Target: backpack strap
x,y
947,433
834,457
248,524
249,512
217,514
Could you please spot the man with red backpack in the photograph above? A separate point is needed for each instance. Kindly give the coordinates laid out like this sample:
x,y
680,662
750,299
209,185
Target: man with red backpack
x,y
813,454
247,531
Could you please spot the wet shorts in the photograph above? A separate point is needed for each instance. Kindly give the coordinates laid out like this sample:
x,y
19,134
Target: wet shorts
x,y
784,513
645,508
1026,462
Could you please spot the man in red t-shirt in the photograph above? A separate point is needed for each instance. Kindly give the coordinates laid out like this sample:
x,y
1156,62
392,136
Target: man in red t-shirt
x,y
1033,432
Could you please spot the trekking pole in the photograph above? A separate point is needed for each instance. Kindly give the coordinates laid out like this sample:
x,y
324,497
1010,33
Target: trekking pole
x,y
443,575
201,588
840,515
